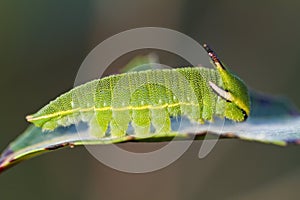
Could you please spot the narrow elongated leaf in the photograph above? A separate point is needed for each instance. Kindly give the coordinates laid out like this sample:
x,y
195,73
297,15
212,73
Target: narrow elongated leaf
x,y
273,120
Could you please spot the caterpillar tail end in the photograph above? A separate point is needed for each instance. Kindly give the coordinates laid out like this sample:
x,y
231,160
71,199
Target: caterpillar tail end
x,y
29,118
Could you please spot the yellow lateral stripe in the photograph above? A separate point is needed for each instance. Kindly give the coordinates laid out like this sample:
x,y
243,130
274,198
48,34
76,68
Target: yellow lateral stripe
x,y
30,118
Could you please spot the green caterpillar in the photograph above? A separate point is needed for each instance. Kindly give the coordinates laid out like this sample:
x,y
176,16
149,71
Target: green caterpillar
x,y
147,100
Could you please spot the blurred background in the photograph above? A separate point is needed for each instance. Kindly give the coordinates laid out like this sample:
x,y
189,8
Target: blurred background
x,y
43,43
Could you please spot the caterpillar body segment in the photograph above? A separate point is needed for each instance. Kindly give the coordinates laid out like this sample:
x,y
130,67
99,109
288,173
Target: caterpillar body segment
x,y
142,98
146,101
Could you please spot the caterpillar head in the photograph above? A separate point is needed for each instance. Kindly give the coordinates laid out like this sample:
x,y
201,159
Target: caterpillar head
x,y
234,91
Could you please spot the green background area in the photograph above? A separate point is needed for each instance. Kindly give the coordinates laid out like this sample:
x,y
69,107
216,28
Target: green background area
x,y
42,44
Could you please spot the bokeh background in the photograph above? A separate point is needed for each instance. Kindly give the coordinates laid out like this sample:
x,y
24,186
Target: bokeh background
x,y
42,44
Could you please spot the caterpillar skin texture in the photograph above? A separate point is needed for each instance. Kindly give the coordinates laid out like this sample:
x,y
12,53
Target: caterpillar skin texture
x,y
147,100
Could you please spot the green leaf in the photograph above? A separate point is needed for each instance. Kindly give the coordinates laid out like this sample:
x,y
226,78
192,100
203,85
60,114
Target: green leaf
x,y
272,120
